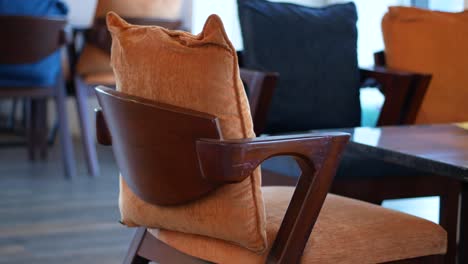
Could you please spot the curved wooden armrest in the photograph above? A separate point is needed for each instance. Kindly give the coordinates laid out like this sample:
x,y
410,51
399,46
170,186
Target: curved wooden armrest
x,y
102,131
404,92
317,156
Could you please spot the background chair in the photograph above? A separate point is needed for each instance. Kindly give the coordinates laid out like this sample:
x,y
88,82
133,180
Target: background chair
x,y
404,90
46,36
317,155
96,37
89,57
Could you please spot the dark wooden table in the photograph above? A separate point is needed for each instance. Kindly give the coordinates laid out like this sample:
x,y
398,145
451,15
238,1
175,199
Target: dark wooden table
x,y
436,149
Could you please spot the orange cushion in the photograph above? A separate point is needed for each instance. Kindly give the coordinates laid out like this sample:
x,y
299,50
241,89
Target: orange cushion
x,y
94,60
347,231
199,73
100,78
431,42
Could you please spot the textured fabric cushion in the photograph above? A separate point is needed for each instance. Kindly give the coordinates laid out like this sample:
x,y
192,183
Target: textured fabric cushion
x,y
347,231
94,60
431,42
315,52
43,72
199,73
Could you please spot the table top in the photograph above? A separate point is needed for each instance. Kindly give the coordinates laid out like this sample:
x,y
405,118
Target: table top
x,y
439,149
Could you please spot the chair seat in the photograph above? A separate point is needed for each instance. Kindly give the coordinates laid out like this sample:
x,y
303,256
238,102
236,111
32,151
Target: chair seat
x,y
100,78
347,231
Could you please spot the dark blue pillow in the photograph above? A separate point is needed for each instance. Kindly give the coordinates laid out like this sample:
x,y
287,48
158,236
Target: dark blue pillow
x,y
43,72
315,52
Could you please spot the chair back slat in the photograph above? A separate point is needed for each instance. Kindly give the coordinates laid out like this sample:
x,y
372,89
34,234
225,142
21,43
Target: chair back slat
x,y
260,88
27,39
155,146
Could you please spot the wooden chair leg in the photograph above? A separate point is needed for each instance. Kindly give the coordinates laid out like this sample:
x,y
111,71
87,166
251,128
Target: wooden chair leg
x,y
29,124
132,254
11,122
449,208
42,128
66,143
88,142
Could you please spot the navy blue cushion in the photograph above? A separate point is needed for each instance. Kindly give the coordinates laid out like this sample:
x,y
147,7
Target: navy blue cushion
x,y
40,73
315,52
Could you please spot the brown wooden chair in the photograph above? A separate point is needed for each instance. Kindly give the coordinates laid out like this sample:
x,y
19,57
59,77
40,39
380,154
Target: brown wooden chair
x,y
199,138
27,40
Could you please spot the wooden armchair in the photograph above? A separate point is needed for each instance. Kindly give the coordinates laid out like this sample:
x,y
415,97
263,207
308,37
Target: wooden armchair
x,y
140,152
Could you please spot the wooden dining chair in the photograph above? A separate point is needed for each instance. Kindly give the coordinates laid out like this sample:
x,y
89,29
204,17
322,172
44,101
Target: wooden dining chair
x,y
141,150
27,39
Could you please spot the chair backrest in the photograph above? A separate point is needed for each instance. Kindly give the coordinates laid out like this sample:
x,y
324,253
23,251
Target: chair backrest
x,y
406,100
149,156
260,87
27,39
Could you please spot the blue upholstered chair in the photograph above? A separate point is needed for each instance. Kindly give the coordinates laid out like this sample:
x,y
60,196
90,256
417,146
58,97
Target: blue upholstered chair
x,y
33,32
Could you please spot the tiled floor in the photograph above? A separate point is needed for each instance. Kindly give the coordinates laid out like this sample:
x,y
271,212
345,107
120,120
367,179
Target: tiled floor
x,y
47,219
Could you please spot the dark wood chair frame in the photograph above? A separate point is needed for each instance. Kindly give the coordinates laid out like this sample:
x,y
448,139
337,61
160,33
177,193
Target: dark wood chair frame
x,y
48,35
131,125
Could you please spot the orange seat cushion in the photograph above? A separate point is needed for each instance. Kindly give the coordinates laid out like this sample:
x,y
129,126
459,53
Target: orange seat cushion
x,y
199,73
347,231
435,43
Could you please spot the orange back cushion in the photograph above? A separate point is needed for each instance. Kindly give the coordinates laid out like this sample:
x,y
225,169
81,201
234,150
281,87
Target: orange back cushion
x,y
199,73
435,43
